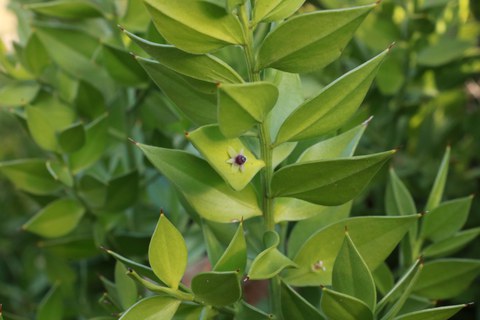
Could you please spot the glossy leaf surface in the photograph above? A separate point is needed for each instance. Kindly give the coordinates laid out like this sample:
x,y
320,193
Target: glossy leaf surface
x,y
217,288
274,10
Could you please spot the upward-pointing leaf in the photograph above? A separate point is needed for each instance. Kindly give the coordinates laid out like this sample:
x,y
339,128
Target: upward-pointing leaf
x,y
311,41
333,106
273,10
195,26
67,9
235,256
436,193
329,182
167,253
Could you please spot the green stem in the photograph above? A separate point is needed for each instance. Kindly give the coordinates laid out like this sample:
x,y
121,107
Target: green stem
x,y
266,152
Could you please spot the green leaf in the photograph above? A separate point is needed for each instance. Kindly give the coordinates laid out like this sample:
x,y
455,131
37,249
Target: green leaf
x,y
213,246
442,313
167,253
292,46
89,101
374,237
72,138
30,175
217,288
46,118
383,278
202,67
446,219
443,52
247,311
235,256
152,308
123,67
197,106
451,244
340,146
126,287
333,106
96,141
60,172
195,26
218,151
203,188
294,306
240,106
271,261
339,306
291,209
122,192
329,182
18,93
51,306
282,152
36,56
269,11
321,217
67,9
398,199
57,219
445,279
351,276
436,193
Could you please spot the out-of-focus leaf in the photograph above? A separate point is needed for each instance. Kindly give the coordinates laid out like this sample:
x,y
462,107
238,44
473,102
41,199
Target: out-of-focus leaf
x,y
292,47
72,138
204,189
442,313
333,106
126,287
329,182
235,256
218,150
167,253
136,17
443,52
60,172
17,94
89,101
195,26
36,56
451,244
374,246
122,192
217,288
123,67
274,10
30,175
294,306
56,219
339,306
436,193
156,307
51,306
67,9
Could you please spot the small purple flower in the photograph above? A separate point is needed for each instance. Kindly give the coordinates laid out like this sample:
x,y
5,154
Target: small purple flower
x,y
237,160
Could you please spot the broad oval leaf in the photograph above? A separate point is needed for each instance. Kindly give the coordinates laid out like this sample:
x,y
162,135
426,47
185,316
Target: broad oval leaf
x,y
441,313
30,175
445,279
333,106
294,306
152,308
351,275
72,138
195,26
374,237
293,47
274,10
203,188
446,219
235,256
202,67
67,9
217,288
240,106
56,219
167,253
330,182
220,152
339,306
16,94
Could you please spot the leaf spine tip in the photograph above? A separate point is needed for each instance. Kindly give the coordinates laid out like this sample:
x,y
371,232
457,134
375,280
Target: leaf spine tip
x,y
366,122
133,141
121,27
391,46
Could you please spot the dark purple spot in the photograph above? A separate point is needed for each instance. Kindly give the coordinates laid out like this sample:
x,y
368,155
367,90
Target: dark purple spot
x,y
240,159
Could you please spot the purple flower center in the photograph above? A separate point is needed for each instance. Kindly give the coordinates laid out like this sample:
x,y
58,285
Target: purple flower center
x,y
240,159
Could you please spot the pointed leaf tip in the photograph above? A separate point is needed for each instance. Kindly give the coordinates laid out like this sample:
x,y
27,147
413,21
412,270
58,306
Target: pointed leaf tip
x,y
133,141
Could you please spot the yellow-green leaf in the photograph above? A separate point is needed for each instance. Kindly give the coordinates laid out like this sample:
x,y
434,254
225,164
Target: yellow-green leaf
x,y
67,9
152,308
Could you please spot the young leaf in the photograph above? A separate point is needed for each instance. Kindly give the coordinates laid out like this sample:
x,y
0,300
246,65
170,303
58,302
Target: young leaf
x,y
202,67
217,288
274,10
339,306
295,306
436,193
167,253
398,199
36,56
446,219
202,186
351,276
51,306
156,307
72,138
451,244
56,219
30,175
199,107
235,257
247,311
126,287
445,279
374,237
333,106
60,172
271,261
67,9
442,313
240,106
220,152
293,48
195,26
329,182
17,94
